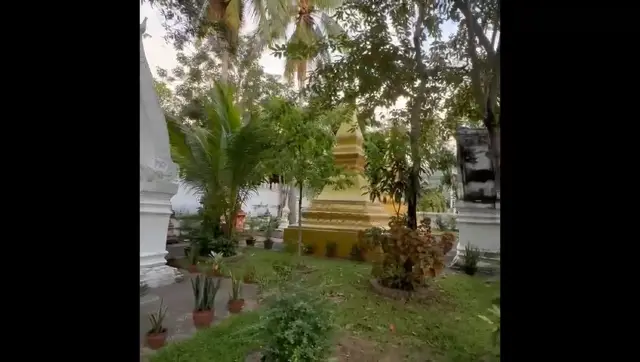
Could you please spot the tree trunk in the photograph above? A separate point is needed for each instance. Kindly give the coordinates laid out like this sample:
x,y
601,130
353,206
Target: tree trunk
x,y
293,208
300,221
224,74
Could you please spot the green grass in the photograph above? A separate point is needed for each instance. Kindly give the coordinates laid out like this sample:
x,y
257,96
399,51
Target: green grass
x,y
444,329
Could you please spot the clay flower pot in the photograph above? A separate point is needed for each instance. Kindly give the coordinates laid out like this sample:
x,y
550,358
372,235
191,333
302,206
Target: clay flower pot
x,y
157,340
193,269
235,306
202,319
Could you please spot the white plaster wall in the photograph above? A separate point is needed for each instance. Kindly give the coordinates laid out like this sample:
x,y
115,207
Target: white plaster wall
x,y
185,201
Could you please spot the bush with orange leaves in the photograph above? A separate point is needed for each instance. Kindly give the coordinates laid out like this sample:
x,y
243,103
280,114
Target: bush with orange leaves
x,y
410,256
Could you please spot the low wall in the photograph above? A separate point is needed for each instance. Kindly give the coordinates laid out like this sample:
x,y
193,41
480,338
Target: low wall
x,y
445,216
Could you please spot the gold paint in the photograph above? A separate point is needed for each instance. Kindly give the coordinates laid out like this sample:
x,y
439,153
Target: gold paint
x,y
338,215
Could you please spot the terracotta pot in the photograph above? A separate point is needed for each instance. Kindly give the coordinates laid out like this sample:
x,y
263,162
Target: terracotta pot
x,y
202,319
235,306
157,340
193,269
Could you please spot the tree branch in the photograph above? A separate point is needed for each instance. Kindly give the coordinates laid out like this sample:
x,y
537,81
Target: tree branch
x,y
463,6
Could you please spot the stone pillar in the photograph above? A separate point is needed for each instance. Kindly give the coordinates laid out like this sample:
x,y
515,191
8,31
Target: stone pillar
x,y
479,207
155,210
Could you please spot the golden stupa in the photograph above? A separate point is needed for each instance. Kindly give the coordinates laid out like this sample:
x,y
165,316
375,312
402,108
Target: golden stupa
x,y
338,215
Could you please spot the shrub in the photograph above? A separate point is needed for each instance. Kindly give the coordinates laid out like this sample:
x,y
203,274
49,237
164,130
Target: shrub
x,y
282,269
249,275
332,249
309,249
471,258
410,256
224,246
357,253
297,327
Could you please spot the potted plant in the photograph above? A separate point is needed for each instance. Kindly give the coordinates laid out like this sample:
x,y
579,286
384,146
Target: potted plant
x,y
249,276
235,302
204,295
216,265
252,223
192,258
471,257
157,335
270,227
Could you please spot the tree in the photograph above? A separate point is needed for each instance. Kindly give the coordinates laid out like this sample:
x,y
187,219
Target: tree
x,y
220,21
165,95
222,158
389,57
303,148
477,42
197,71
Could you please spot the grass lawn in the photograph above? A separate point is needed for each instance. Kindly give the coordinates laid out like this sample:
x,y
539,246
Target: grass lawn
x,y
446,328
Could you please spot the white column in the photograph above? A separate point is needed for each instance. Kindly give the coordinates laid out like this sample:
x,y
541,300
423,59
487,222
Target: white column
x,y
479,225
284,220
155,210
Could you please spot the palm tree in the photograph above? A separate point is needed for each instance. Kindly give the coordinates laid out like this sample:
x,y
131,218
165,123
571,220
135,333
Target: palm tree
x,y
222,159
312,24
227,18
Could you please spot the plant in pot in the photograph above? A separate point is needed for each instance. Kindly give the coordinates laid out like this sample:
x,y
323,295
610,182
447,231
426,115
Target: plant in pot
x,y
249,276
253,224
157,335
192,258
217,264
204,295
235,301
270,227
471,258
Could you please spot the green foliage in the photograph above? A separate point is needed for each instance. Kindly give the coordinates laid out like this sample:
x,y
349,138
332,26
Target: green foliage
x,y
236,288
446,225
495,310
144,288
471,258
204,292
283,270
410,256
249,274
270,225
193,254
224,246
223,159
298,328
156,319
432,200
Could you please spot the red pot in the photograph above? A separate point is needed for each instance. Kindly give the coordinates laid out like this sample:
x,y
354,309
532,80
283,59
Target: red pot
x,y
157,340
235,306
202,319
193,269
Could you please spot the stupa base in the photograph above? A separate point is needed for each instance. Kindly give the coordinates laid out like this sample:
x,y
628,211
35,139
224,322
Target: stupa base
x,y
319,238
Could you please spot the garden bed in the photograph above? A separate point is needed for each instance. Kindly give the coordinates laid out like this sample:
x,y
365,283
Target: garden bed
x,y
444,329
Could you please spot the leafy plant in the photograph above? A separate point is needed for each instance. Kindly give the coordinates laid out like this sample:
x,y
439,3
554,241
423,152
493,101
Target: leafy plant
x,y
224,246
236,288
495,310
411,256
270,226
309,249
249,274
204,292
283,270
156,319
332,249
144,288
298,327
471,258
193,254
